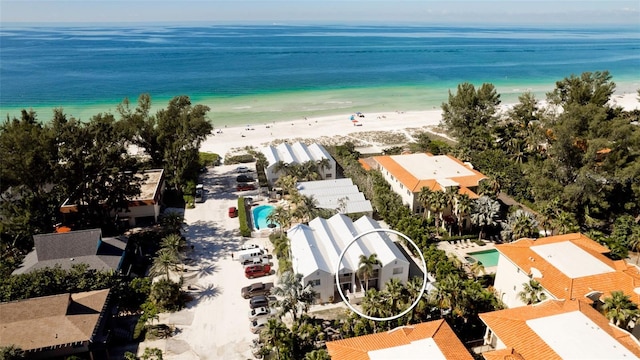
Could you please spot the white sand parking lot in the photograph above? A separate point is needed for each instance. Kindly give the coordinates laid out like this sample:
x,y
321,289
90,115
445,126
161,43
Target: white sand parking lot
x,y
215,324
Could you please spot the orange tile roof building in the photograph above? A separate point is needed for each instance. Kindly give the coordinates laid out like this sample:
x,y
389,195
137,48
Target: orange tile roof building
x,y
429,340
408,174
555,329
570,266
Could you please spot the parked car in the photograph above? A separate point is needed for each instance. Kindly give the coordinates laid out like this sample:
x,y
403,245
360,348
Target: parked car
x,y
199,193
242,169
259,301
262,311
253,271
263,260
258,288
258,324
249,246
245,187
244,178
233,212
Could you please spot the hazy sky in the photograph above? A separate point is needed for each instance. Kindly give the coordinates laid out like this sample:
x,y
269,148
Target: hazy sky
x,y
526,12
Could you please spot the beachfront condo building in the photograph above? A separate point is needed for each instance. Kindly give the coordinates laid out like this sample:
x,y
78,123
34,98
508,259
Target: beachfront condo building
x,y
316,249
409,173
284,155
570,266
555,329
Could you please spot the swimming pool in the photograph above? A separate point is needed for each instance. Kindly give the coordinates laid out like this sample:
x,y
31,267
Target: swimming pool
x,y
488,258
260,214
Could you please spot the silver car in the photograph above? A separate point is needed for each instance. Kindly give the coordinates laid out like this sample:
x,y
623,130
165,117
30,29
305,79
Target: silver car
x,y
262,311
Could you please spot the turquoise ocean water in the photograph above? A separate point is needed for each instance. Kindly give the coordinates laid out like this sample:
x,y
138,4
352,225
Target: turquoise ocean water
x,y
255,74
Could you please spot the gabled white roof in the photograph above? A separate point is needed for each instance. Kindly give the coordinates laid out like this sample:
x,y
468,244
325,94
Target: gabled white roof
x,y
329,194
318,246
379,242
296,153
307,256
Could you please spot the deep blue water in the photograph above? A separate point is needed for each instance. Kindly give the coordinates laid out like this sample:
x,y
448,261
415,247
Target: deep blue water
x,y
71,65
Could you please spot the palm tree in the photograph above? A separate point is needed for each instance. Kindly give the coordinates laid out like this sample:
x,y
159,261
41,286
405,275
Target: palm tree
x,y
532,293
523,224
172,221
320,354
395,295
366,266
424,197
288,184
565,223
296,298
438,204
451,198
280,216
174,243
477,268
277,336
306,208
322,165
163,263
372,304
620,310
462,209
484,213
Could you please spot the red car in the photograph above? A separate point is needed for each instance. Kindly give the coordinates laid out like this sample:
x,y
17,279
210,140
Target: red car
x,y
233,212
244,187
253,271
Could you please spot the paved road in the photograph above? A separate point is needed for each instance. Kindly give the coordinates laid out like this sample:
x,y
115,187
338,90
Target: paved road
x,y
215,324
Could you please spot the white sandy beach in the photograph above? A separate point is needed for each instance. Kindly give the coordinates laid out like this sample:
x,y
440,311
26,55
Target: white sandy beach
x,y
339,128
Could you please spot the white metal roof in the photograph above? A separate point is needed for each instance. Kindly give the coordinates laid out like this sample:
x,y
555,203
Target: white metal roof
x,y
571,259
296,153
419,349
573,335
318,246
329,193
307,256
423,166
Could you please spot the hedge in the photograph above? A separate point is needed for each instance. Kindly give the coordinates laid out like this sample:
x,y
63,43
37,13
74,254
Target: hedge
x,y
242,217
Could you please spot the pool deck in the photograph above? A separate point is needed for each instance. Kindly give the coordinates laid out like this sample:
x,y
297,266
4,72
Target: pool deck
x,y
264,233
462,248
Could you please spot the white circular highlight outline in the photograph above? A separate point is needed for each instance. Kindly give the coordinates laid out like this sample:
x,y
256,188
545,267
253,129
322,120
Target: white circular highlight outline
x,y
424,280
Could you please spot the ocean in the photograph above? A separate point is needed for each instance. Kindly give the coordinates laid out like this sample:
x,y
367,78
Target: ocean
x,y
255,74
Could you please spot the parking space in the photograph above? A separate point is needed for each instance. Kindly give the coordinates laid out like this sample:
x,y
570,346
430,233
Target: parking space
x,y
220,328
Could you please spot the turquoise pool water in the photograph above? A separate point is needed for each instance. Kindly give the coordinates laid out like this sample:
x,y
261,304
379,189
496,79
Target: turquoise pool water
x,y
488,258
260,214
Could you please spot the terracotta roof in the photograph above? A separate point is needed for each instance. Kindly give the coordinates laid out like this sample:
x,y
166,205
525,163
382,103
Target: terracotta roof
x,y
357,348
511,327
624,277
366,163
411,182
51,320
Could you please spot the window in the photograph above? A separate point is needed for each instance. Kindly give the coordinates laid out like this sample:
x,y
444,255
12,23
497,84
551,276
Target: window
x,y
392,178
328,176
408,192
397,271
401,186
314,282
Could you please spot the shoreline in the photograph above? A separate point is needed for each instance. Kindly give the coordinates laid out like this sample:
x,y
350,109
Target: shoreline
x,y
290,105
335,129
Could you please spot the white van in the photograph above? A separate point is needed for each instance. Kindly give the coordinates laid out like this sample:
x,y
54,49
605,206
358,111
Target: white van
x,y
249,254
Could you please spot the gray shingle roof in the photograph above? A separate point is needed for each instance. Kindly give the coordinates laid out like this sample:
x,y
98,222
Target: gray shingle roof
x,y
74,247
